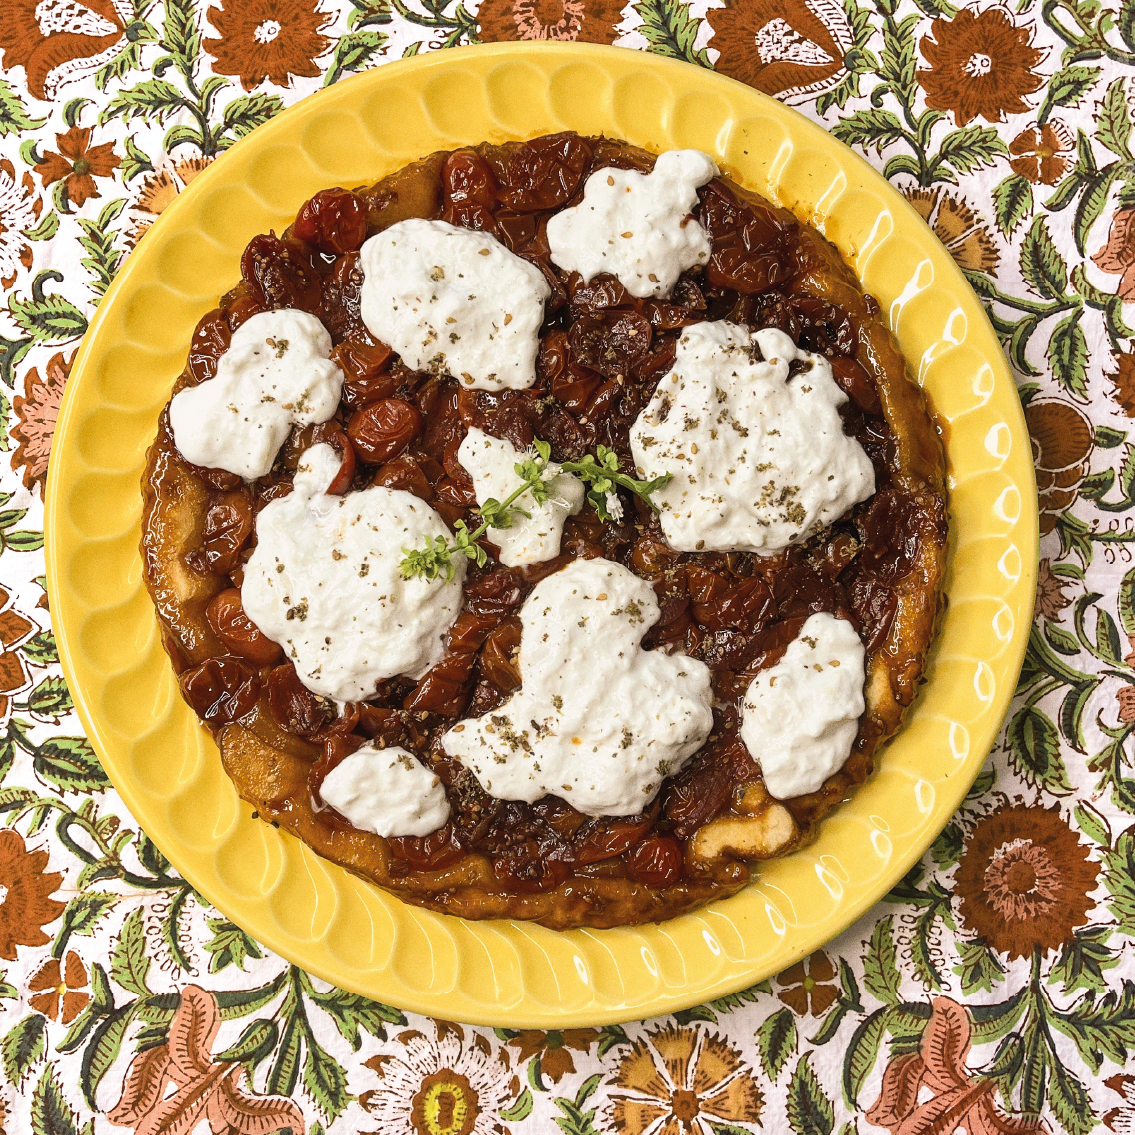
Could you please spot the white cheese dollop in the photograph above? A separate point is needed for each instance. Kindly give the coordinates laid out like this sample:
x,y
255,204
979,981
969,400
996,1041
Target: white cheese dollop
x,y
454,301
323,582
636,225
801,716
598,721
386,791
759,460
277,373
491,462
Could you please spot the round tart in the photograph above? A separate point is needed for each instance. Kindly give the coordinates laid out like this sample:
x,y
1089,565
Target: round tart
x,y
405,437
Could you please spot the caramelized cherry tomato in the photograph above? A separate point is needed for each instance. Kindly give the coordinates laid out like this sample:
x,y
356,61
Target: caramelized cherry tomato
x,y
324,433
221,690
367,370
279,274
295,708
607,838
210,341
429,852
228,528
334,220
237,631
407,474
611,342
857,384
383,429
546,172
498,656
750,242
470,191
656,861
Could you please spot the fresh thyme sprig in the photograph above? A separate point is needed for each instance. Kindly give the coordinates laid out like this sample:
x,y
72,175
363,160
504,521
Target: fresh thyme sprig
x,y
599,472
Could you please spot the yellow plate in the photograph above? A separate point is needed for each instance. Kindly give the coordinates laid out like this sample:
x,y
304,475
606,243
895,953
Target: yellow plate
x,y
166,767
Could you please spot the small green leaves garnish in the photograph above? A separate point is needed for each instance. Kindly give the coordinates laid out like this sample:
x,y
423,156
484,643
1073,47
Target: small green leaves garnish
x,y
599,472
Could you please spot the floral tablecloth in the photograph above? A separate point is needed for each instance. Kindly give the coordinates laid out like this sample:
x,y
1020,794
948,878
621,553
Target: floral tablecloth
x,y
993,989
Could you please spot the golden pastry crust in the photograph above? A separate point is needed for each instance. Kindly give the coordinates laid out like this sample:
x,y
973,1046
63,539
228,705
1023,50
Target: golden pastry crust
x,y
882,566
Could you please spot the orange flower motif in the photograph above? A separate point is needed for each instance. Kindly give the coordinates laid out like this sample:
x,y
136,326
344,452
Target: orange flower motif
x,y
159,191
960,228
552,1048
1125,695
804,990
680,1079
204,1089
1050,597
956,1099
1036,152
1118,255
1123,380
37,411
980,64
1063,441
64,987
1024,880
59,41
26,905
793,49
15,630
78,164
592,22
20,208
268,39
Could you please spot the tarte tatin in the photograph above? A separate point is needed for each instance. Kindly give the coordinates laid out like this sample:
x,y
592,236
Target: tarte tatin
x,y
602,354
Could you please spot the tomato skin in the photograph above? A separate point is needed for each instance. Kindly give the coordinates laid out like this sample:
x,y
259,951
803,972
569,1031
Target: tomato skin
x,y
334,220
295,708
279,274
429,852
221,690
655,861
228,528
382,430
238,632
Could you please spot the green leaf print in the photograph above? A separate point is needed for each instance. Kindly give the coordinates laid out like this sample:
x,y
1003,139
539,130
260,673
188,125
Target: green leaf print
x,y
881,976
1012,203
129,961
670,30
810,1112
776,1041
1041,263
1113,120
23,1047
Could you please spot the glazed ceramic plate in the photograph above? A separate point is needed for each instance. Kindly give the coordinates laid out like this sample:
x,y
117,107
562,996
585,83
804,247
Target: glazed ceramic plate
x,y
165,765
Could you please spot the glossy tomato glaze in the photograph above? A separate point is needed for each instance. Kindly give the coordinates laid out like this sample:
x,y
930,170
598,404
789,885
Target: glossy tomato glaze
x,y
602,353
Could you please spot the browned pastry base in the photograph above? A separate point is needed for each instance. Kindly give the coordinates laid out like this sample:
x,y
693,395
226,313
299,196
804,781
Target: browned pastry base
x,y
275,760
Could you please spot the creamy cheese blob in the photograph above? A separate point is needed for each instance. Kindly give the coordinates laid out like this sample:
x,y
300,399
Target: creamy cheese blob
x,y
636,225
386,791
277,373
491,462
759,459
324,583
454,301
800,717
598,721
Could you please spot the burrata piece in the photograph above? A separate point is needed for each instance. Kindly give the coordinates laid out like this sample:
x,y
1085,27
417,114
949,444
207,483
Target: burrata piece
x,y
386,791
597,721
801,716
454,301
636,226
277,373
756,451
324,582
